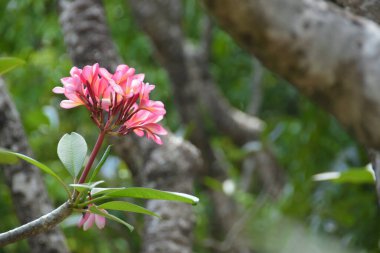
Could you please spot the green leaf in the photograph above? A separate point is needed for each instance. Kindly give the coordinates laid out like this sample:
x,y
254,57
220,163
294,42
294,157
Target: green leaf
x,y
72,150
100,164
356,176
128,207
146,193
9,63
13,157
7,157
95,210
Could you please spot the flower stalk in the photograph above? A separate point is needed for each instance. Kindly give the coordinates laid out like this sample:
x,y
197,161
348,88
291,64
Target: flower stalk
x,y
93,155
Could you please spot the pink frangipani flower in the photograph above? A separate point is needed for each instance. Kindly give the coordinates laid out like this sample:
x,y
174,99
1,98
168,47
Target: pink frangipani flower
x,y
88,219
118,103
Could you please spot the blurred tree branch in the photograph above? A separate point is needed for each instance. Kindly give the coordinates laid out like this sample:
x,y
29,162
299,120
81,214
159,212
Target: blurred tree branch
x,y
299,40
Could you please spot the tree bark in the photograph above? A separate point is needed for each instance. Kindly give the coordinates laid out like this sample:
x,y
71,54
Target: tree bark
x,y
86,33
170,166
328,54
27,189
366,8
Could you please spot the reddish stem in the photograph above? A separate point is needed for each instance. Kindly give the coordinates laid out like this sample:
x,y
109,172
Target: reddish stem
x,y
91,160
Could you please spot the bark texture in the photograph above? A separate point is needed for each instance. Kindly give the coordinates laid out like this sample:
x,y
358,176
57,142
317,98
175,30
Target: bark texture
x,y
367,8
27,188
86,33
170,166
328,54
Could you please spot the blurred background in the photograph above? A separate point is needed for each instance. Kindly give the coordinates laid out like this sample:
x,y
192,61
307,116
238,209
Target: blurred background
x,y
269,178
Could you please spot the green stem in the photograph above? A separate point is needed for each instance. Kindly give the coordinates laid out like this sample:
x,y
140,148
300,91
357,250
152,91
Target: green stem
x,y
93,201
91,160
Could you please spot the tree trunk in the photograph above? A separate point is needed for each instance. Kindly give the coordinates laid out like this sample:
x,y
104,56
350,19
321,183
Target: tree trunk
x,y
26,185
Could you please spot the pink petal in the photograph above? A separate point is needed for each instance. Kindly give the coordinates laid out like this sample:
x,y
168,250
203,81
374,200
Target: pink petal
x,y
154,137
117,88
59,90
130,71
75,71
118,76
89,222
72,95
104,73
122,68
67,81
155,107
138,132
100,87
157,140
83,219
68,104
89,72
100,221
139,77
156,128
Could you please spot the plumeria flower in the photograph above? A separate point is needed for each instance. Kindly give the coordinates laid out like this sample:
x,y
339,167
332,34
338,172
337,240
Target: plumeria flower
x,y
88,219
119,103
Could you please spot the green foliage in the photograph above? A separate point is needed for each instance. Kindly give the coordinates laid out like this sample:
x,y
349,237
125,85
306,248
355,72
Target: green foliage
x,y
9,63
9,157
127,207
305,140
145,193
72,150
355,176
96,210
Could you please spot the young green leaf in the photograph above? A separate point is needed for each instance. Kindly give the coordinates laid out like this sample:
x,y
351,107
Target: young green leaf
x,y
9,63
86,186
146,193
355,176
95,210
13,157
128,207
100,164
72,150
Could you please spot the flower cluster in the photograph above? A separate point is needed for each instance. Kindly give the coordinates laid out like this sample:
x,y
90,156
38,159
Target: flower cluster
x,y
88,220
118,103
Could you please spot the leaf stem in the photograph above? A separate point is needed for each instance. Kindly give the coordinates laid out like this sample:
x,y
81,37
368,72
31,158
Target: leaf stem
x,y
93,201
